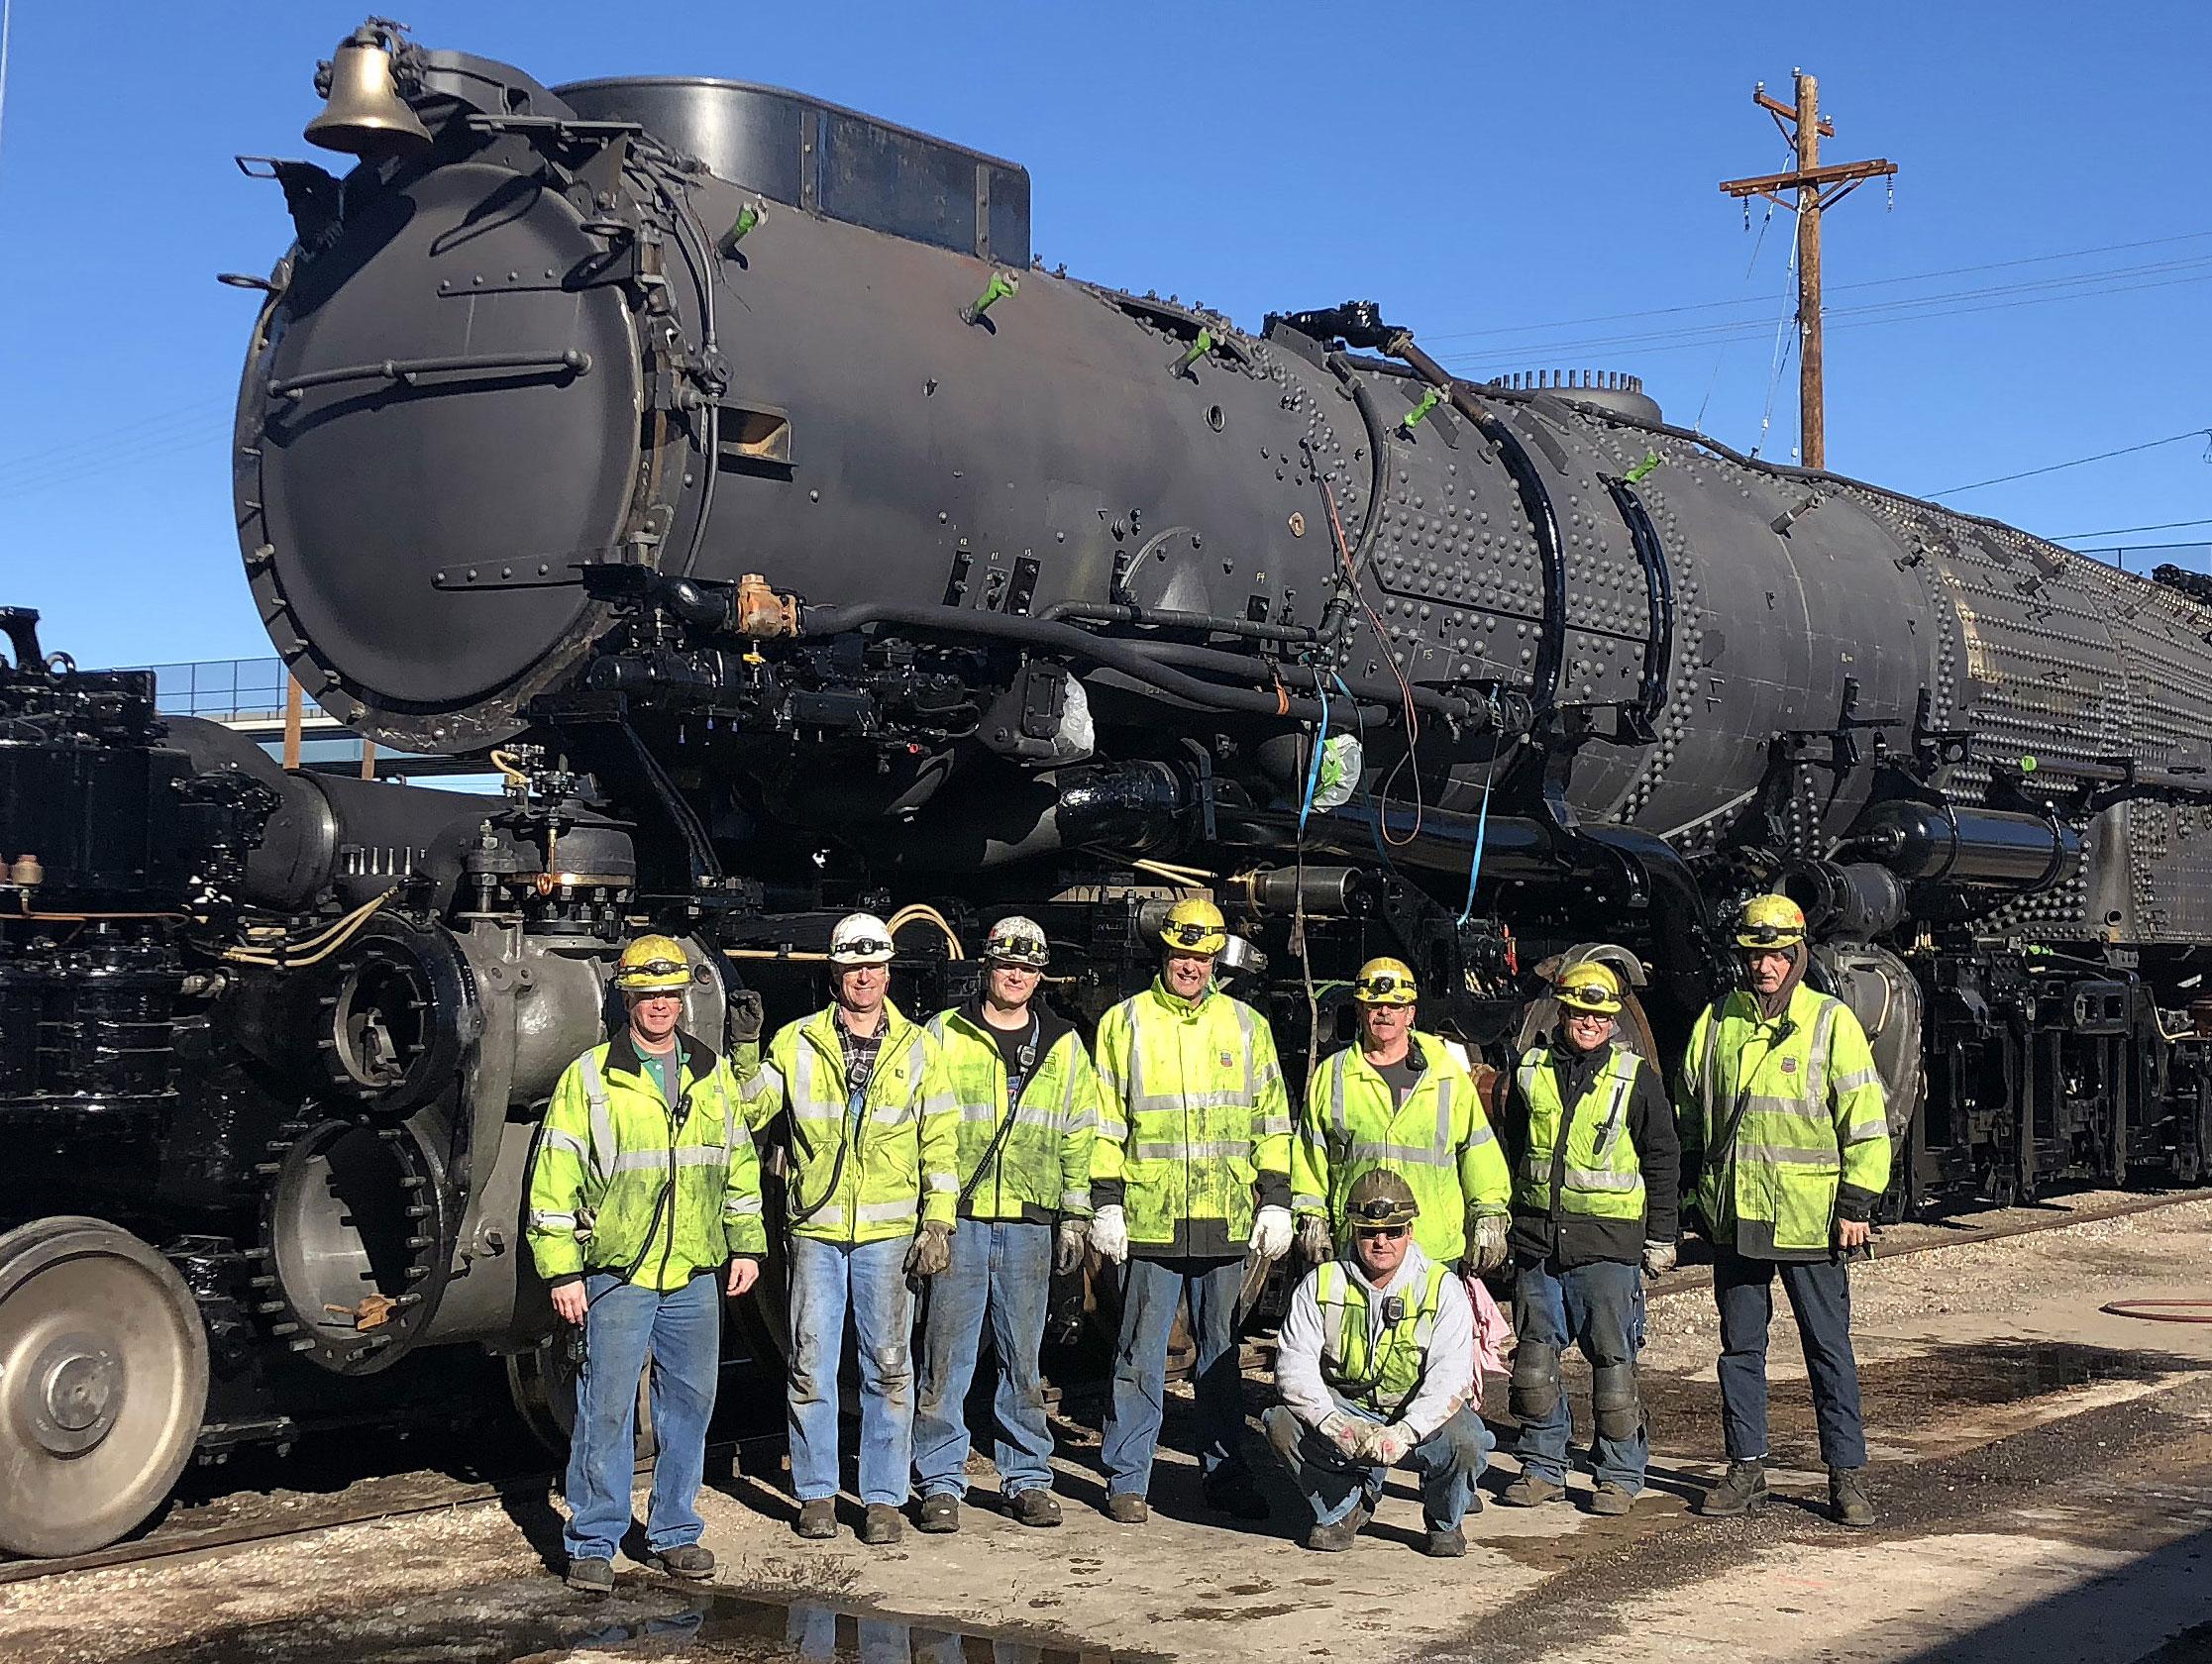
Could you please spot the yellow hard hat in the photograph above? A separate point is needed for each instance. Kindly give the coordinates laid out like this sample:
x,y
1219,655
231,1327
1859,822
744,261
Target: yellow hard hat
x,y
1770,921
1195,926
1592,986
653,965
1386,981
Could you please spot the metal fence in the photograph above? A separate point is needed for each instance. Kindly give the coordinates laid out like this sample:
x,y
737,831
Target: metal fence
x,y
220,690
2145,559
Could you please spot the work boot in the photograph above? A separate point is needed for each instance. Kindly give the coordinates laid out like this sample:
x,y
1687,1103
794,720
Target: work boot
x,y
939,1512
687,1560
1237,1497
1445,1542
818,1520
1611,1501
1036,1507
1741,1491
1334,1539
881,1524
1127,1508
1848,1498
593,1576
1529,1490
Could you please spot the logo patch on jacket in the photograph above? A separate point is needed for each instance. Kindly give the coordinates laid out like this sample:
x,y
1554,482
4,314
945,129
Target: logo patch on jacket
x,y
1228,1060
1789,1065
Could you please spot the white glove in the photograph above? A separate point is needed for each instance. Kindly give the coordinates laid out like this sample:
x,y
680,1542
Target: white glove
x,y
1313,1239
1658,1258
1486,1244
1345,1430
1388,1445
1110,1234
1270,1233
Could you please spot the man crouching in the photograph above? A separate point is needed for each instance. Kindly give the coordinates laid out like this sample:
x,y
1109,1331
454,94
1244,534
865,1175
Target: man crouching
x,y
1374,1362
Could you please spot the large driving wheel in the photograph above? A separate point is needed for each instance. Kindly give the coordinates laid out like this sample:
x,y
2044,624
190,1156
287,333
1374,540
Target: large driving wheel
x,y
103,1382
543,1383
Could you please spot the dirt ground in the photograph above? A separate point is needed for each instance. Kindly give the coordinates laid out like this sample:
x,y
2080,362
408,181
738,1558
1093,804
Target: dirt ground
x,y
2043,1470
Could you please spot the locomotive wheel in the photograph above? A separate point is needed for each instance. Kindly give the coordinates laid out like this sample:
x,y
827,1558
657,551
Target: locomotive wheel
x,y
543,1383
103,1382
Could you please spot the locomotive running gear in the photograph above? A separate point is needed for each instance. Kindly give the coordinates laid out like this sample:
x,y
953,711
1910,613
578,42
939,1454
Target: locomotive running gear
x,y
869,1160
624,1183
653,965
1195,926
1385,982
859,939
1438,1141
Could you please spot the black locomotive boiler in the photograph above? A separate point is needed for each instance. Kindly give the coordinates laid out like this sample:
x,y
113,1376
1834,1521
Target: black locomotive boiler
x,y
718,461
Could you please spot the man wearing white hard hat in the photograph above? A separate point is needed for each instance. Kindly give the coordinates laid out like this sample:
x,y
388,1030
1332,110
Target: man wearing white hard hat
x,y
869,1202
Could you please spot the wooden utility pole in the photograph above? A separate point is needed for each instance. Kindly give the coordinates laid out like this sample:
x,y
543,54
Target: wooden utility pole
x,y
1817,188
293,711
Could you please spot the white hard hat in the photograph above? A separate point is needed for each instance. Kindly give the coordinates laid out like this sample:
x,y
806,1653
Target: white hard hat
x,y
1018,941
859,939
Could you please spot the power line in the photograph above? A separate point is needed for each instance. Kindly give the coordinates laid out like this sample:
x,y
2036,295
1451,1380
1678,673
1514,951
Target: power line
x,y
7,19
2054,468
2123,531
1863,283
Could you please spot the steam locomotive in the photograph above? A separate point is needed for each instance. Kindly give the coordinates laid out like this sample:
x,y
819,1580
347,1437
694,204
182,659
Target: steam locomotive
x,y
717,463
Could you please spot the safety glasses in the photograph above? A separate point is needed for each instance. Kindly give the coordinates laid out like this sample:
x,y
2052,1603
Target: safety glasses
x,y
1385,1234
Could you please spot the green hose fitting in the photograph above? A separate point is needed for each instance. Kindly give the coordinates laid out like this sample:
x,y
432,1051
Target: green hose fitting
x,y
1645,470
1198,350
748,216
1429,401
1002,283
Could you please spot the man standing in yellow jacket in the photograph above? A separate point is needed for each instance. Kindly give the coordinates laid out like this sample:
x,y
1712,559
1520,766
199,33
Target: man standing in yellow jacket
x,y
874,1138
1785,1150
1400,1100
1190,1172
643,1188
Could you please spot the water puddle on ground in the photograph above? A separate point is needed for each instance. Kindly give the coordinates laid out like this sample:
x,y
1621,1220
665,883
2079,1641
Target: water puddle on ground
x,y
646,1619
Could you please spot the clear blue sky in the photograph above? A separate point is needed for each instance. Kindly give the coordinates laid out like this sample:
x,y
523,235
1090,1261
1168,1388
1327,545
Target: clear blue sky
x,y
1481,169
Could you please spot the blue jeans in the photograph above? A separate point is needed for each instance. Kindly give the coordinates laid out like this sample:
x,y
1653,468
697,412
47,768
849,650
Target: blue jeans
x,y
1819,1295
682,1331
827,1279
1140,1366
1001,1270
1449,1461
1598,1308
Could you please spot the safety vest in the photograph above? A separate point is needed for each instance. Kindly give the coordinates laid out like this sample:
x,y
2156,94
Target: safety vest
x,y
620,1183
1602,1177
1812,1118
1379,1371
868,1167
1438,1141
1192,1111
1042,1168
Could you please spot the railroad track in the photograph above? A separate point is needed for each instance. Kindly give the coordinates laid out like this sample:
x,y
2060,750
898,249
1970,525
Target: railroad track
x,y
438,1495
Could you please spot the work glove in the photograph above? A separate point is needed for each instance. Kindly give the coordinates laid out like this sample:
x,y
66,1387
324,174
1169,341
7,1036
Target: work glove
x,y
1345,1430
1387,1445
745,1017
1270,1233
1658,1258
1313,1239
931,1252
1110,1234
1067,1248
1486,1244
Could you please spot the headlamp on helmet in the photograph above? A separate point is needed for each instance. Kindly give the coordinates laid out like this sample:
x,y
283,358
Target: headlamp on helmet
x,y
1592,986
859,939
1018,941
1195,927
1770,923
1386,981
653,965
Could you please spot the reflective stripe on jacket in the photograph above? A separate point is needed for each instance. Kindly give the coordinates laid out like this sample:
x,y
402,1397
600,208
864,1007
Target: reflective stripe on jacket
x,y
1378,1366
1439,1142
1042,1170
899,1173
1813,1133
1599,1171
1193,1115
618,1183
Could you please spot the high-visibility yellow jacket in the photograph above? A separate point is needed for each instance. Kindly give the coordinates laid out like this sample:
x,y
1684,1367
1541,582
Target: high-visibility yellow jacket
x,y
1196,1129
621,1184
1041,1170
1439,1142
1812,1143
1377,1365
1600,1172
892,1172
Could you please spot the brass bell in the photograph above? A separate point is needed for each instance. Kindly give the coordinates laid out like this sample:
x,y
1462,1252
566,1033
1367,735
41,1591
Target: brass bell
x,y
364,114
